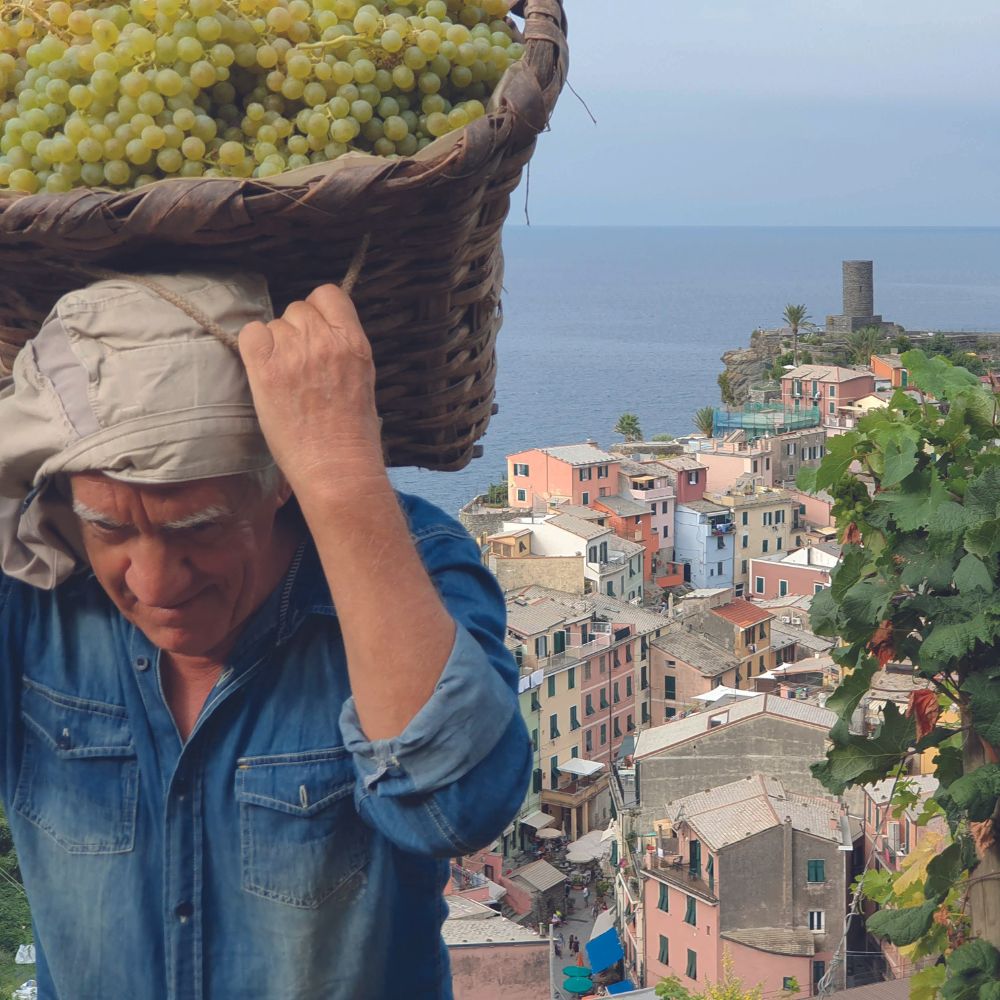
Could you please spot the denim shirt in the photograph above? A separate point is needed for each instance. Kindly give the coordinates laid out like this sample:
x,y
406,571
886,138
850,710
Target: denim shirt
x,y
277,854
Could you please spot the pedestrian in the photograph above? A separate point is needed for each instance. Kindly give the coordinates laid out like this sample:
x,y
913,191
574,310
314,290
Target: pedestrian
x,y
586,893
576,946
594,909
557,944
206,713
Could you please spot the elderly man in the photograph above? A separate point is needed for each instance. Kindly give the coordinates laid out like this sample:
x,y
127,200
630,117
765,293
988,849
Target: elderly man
x,y
246,713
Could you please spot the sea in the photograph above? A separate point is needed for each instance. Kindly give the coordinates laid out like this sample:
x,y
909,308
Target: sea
x,y
602,321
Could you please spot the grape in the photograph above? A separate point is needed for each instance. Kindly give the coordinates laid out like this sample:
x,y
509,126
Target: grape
x,y
120,94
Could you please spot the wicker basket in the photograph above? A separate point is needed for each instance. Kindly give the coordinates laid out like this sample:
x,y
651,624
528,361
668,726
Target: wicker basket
x,y
429,292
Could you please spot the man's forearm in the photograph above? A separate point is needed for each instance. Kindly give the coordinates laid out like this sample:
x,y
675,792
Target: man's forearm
x,y
397,632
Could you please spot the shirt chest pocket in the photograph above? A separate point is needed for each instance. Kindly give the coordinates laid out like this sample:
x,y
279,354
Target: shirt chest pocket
x,y
300,836
79,778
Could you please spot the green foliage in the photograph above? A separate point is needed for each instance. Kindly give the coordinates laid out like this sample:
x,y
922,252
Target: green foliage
x,y
15,917
497,494
671,989
628,427
917,487
704,420
863,343
662,437
726,390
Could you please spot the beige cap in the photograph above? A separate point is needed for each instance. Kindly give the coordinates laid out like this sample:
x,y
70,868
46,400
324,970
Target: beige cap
x,y
121,381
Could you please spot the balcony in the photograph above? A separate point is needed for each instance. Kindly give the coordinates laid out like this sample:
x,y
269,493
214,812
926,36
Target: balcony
x,y
722,527
674,869
575,793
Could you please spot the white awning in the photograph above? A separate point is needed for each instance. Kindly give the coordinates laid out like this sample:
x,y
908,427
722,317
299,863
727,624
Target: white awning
x,y
611,833
581,767
537,820
605,922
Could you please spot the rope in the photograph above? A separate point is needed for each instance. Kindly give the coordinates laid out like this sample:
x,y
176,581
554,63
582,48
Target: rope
x,y
231,340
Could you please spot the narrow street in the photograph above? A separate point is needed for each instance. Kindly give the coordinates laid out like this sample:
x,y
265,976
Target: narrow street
x,y
577,922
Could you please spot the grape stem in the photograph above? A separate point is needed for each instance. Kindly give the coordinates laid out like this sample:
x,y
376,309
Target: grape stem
x,y
23,8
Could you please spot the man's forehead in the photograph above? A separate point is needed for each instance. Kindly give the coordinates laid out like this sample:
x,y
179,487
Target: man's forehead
x,y
100,493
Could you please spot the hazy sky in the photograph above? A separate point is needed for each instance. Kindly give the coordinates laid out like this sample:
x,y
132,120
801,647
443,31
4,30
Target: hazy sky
x,y
763,112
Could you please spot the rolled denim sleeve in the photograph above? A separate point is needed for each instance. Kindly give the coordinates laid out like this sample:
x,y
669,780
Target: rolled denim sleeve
x,y
457,774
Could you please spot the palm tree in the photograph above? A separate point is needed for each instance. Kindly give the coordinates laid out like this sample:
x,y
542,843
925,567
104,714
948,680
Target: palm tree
x,y
704,420
796,317
628,427
863,343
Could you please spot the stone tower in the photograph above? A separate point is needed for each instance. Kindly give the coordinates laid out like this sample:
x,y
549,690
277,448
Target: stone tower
x,y
859,299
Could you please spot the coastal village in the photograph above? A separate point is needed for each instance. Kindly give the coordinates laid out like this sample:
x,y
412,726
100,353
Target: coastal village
x,y
658,598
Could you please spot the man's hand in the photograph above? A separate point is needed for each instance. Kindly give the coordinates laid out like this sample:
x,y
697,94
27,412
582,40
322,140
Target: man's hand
x,y
313,383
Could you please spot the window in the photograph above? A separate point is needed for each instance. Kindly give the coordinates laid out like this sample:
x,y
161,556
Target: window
x,y
833,406
670,688
571,677
664,948
664,901
693,477
589,707
585,498
789,983
720,542
586,671
761,634
616,658
602,472
617,727
603,492
628,686
745,542
629,723
522,495
763,546
603,662
692,966
574,722
782,588
534,739
663,507
520,470
611,588
542,648
743,567
604,734
718,569
604,699
645,712
584,474
817,587
777,544
553,772
536,780
816,871
552,686
575,752
758,585
754,466
669,713
831,390
691,913
767,464
536,705
588,741
779,517
615,696
802,509
592,554
815,920
553,726
815,383
746,516
767,518
628,653
761,667
819,971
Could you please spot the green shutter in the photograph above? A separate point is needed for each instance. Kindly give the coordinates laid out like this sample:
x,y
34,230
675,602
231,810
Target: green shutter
x,y
614,853
816,871
691,916
571,678
692,966
664,903
552,686
664,951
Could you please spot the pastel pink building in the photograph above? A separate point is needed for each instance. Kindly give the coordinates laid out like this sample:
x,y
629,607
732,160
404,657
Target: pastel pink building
x,y
805,571
577,473
690,477
828,388
753,870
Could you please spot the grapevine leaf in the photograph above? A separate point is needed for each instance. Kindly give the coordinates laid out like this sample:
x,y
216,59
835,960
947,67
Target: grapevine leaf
x,y
983,539
823,613
988,991
935,375
977,792
925,984
903,926
982,496
948,641
852,689
840,453
950,518
900,456
984,696
914,504
972,574
865,603
943,871
848,572
806,480
970,967
948,765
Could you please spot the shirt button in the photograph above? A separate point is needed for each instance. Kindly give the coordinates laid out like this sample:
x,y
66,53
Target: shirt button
x,y
184,911
142,663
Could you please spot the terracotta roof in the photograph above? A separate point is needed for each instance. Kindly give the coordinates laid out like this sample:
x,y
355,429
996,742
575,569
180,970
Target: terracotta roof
x,y
579,454
623,506
470,922
825,373
540,875
577,526
742,613
696,649
892,360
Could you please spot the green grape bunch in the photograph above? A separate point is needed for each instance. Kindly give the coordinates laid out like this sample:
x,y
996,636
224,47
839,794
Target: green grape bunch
x,y
116,95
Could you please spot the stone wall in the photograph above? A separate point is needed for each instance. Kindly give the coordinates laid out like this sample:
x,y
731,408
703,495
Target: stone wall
x,y
499,971
480,520
556,572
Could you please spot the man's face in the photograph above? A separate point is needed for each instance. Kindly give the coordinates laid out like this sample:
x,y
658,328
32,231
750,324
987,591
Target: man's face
x,y
186,564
